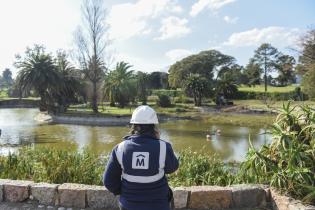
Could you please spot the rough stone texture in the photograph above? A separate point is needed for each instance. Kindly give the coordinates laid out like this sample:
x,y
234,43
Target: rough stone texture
x,y
248,196
100,197
16,191
72,195
180,197
210,197
1,193
281,202
44,193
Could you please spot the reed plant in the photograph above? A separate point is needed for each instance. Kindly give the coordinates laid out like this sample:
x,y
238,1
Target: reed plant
x,y
43,164
199,168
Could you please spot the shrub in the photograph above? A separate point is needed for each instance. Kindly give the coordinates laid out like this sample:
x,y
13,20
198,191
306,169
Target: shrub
x,y
277,96
55,166
43,164
169,93
201,169
164,101
288,163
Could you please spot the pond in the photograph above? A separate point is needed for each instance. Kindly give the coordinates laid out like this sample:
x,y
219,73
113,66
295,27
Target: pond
x,y
19,128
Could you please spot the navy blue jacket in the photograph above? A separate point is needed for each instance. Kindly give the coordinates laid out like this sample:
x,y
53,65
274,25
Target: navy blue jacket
x,y
136,171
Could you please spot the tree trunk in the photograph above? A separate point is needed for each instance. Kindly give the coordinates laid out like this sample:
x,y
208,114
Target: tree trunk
x,y
265,75
94,98
195,100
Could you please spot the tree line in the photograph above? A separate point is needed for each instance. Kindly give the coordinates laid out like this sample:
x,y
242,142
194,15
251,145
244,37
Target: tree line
x,y
58,82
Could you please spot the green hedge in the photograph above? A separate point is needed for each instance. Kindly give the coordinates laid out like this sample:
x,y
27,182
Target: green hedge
x,y
249,95
169,93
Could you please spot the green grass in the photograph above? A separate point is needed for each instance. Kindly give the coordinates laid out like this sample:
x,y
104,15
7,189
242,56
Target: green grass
x,y
106,110
270,104
261,88
44,164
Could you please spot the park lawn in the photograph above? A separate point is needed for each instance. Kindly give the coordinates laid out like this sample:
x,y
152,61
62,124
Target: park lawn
x,y
106,110
270,89
260,104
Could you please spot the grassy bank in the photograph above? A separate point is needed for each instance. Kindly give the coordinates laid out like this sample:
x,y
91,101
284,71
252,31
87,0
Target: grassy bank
x,y
246,120
106,110
269,104
271,89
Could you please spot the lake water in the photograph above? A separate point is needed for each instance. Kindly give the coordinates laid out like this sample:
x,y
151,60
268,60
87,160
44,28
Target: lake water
x,y
19,128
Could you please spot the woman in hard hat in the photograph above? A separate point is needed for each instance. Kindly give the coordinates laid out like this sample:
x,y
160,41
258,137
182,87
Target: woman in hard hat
x,y
137,166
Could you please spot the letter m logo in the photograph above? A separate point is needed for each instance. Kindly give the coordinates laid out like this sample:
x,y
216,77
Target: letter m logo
x,y
140,160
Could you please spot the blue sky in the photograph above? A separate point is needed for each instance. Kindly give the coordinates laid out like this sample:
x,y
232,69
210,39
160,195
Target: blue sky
x,y
153,34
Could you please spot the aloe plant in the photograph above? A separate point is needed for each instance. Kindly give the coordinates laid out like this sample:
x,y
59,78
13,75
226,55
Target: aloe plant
x,y
288,163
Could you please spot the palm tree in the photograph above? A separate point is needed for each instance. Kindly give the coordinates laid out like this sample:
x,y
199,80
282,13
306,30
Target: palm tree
x,y
37,71
71,79
120,85
196,86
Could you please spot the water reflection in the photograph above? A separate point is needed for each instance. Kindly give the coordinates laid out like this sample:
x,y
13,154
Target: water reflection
x,y
19,128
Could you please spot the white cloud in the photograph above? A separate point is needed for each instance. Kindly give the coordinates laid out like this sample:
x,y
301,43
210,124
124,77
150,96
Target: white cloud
x,y
278,36
131,19
178,54
213,5
231,20
173,27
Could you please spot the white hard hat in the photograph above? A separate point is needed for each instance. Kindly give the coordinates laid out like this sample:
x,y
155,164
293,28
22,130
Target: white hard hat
x,y
144,115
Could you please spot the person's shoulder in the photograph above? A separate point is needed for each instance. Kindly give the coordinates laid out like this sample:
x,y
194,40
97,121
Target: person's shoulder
x,y
122,143
168,144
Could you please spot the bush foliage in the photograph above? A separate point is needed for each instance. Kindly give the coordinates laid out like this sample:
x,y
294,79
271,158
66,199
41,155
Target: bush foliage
x,y
164,101
288,163
296,95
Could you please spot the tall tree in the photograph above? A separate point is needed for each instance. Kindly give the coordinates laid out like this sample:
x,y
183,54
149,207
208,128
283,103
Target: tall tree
x,y
252,72
205,63
142,86
307,62
266,56
307,44
197,87
120,85
158,80
37,71
92,43
71,78
7,77
285,67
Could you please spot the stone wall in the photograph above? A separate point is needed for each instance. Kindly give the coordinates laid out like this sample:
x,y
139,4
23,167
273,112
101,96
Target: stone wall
x,y
97,197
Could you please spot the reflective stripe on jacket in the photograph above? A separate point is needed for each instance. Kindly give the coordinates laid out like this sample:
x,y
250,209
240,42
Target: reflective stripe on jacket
x,y
136,170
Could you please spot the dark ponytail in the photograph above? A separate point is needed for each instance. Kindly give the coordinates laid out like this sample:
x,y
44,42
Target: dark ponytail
x,y
145,129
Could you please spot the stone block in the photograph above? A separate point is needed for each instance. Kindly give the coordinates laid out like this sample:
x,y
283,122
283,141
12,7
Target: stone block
x,y
15,190
1,193
72,195
279,202
99,197
45,193
210,197
248,196
180,197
